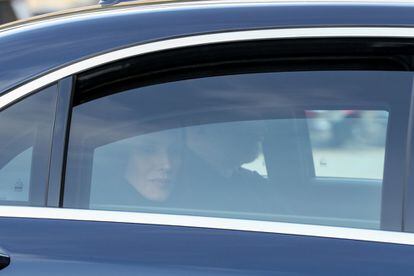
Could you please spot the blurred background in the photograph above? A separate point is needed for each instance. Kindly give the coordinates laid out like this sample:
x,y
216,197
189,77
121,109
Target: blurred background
x,y
11,10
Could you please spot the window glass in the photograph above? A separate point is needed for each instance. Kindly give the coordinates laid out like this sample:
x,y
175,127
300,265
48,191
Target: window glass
x,y
258,164
348,143
149,168
25,140
15,177
239,146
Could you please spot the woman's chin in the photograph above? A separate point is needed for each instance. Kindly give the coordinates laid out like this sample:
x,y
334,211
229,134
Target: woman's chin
x,y
159,196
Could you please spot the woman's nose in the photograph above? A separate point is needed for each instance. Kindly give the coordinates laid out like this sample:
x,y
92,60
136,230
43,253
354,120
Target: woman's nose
x,y
165,161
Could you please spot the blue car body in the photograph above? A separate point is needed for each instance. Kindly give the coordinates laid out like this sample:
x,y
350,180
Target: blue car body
x,y
42,243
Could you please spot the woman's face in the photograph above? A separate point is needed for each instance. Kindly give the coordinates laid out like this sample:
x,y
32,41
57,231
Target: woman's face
x,y
153,165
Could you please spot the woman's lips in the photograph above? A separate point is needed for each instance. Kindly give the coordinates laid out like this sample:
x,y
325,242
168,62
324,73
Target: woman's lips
x,y
158,179
162,181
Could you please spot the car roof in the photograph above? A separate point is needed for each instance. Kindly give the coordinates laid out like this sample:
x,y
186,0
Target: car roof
x,y
193,3
39,45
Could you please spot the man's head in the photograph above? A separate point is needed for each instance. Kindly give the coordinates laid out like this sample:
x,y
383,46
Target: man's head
x,y
226,146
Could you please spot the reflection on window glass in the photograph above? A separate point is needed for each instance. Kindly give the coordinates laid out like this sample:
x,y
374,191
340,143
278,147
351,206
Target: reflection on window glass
x,y
179,166
348,143
25,141
15,177
239,146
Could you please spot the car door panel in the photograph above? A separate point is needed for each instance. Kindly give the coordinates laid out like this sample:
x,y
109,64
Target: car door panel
x,y
68,247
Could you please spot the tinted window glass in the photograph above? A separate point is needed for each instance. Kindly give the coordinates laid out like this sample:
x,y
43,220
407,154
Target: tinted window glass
x,y
238,146
15,177
25,141
348,143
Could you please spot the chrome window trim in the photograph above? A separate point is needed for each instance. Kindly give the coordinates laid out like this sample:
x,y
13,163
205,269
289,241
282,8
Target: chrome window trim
x,y
204,39
209,223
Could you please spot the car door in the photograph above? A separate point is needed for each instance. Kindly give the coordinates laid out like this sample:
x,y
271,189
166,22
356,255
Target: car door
x,y
205,159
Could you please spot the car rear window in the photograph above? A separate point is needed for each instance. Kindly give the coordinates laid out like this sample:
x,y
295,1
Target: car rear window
x,y
303,147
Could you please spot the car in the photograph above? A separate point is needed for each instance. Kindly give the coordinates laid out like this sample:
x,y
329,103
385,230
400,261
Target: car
x,y
190,138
